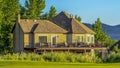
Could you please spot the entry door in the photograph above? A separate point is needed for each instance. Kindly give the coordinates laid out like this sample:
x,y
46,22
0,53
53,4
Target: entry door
x,y
54,40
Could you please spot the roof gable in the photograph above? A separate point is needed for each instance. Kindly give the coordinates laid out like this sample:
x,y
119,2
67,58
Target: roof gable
x,y
78,27
69,23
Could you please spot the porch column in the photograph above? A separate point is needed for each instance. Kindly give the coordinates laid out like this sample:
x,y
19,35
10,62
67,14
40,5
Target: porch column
x,y
92,53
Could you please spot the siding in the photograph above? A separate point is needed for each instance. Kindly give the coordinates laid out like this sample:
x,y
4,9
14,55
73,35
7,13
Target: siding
x,y
85,38
18,41
60,37
28,40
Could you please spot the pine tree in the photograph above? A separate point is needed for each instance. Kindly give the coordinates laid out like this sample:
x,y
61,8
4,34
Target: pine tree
x,y
101,35
23,12
97,27
52,12
78,18
44,16
34,8
9,10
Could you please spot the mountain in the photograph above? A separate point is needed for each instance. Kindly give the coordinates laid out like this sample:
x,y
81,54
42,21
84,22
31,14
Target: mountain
x,y
112,31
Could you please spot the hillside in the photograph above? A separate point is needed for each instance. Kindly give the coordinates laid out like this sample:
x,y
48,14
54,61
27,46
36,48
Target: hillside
x,y
112,31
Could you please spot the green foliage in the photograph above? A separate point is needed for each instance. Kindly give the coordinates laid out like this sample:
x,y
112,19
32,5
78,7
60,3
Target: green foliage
x,y
116,49
52,57
52,12
9,9
78,18
44,16
113,58
101,35
32,9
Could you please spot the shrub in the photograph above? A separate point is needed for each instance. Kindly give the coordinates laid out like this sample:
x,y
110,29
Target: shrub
x,y
113,58
52,57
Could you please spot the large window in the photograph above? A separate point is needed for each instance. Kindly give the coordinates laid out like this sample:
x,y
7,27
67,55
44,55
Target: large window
x,y
54,40
88,38
42,39
92,39
77,38
80,38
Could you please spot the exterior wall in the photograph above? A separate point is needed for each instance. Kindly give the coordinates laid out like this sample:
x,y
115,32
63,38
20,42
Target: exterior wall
x,y
18,41
28,40
60,37
85,38
74,37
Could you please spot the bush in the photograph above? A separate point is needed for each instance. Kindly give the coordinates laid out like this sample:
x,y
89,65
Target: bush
x,y
113,58
52,57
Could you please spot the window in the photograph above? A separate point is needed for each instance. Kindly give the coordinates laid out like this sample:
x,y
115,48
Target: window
x,y
42,39
82,39
88,38
78,38
54,40
92,39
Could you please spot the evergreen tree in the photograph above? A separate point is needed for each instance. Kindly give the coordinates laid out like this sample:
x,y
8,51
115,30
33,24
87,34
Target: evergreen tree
x,y
47,16
52,12
44,16
101,35
97,27
34,8
9,10
78,18
23,12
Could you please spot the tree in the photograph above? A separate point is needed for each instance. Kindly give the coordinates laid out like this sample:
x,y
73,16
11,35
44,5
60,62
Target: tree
x,y
47,16
33,8
52,12
78,18
44,16
9,10
97,27
116,49
101,35
23,12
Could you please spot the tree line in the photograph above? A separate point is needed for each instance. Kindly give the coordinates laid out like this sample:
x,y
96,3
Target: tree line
x,y
33,9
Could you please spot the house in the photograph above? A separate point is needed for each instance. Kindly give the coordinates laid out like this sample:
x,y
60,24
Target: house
x,y
77,32
62,29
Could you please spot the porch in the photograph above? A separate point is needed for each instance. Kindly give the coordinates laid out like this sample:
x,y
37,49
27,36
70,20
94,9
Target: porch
x,y
75,47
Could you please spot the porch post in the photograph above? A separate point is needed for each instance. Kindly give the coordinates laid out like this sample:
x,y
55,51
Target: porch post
x,y
92,53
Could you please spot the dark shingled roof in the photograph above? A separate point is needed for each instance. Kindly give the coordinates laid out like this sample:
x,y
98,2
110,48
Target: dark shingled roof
x,y
67,22
40,26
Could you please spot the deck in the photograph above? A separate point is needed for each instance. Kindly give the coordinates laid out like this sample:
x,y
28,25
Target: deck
x,y
74,48
51,49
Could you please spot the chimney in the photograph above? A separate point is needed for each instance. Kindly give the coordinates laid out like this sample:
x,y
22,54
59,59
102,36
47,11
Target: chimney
x,y
18,18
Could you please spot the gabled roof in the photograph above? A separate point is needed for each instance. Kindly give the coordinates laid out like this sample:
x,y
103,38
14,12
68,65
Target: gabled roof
x,y
69,23
78,27
40,26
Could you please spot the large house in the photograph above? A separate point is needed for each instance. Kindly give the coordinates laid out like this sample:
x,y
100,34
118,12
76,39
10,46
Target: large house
x,y
63,28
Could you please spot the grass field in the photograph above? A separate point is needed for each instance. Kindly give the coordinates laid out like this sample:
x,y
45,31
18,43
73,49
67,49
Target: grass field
x,y
30,64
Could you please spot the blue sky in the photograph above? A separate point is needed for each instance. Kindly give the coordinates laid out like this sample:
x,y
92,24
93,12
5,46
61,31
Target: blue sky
x,y
89,10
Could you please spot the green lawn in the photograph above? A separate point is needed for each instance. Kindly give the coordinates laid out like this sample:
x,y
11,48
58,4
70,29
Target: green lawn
x,y
30,64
